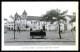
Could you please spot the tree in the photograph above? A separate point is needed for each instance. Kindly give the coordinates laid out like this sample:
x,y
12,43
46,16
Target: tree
x,y
73,19
56,13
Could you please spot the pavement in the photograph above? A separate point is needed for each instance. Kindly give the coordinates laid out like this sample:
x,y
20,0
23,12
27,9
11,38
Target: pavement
x,y
41,40
23,38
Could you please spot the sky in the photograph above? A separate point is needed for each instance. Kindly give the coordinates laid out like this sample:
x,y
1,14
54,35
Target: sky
x,y
35,8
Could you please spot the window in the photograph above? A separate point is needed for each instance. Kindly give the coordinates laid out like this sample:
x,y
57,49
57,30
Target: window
x,y
39,23
39,28
45,26
36,22
46,29
31,21
11,28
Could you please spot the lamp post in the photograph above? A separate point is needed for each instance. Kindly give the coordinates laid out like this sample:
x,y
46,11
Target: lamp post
x,y
14,28
14,19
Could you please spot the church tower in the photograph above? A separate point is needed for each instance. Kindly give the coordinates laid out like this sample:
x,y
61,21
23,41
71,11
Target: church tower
x,y
24,18
17,20
24,14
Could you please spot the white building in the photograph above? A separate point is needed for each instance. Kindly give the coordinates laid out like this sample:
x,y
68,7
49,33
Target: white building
x,y
5,22
10,25
5,25
33,22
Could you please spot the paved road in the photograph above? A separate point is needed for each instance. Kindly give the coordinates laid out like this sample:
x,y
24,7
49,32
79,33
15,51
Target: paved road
x,y
40,43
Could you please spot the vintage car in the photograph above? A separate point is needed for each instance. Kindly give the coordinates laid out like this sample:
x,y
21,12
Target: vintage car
x,y
37,33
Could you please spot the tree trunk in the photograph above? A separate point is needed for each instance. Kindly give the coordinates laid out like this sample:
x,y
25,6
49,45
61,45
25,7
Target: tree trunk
x,y
59,32
72,28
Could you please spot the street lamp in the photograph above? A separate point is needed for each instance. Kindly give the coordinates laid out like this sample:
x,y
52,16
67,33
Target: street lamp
x,y
14,26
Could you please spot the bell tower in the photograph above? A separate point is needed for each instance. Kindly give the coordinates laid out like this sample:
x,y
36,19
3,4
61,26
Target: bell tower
x,y
24,17
24,14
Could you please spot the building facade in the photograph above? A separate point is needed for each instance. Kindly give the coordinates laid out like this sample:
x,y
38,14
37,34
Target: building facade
x,y
33,22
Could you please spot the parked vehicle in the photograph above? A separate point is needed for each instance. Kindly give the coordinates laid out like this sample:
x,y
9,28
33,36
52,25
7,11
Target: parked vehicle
x,y
37,33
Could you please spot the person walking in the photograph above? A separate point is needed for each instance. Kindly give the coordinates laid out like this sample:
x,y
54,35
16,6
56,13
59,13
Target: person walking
x,y
44,28
18,29
30,29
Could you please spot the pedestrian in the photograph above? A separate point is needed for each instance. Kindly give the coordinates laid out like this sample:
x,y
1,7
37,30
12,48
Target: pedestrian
x,y
61,31
30,29
19,29
43,28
